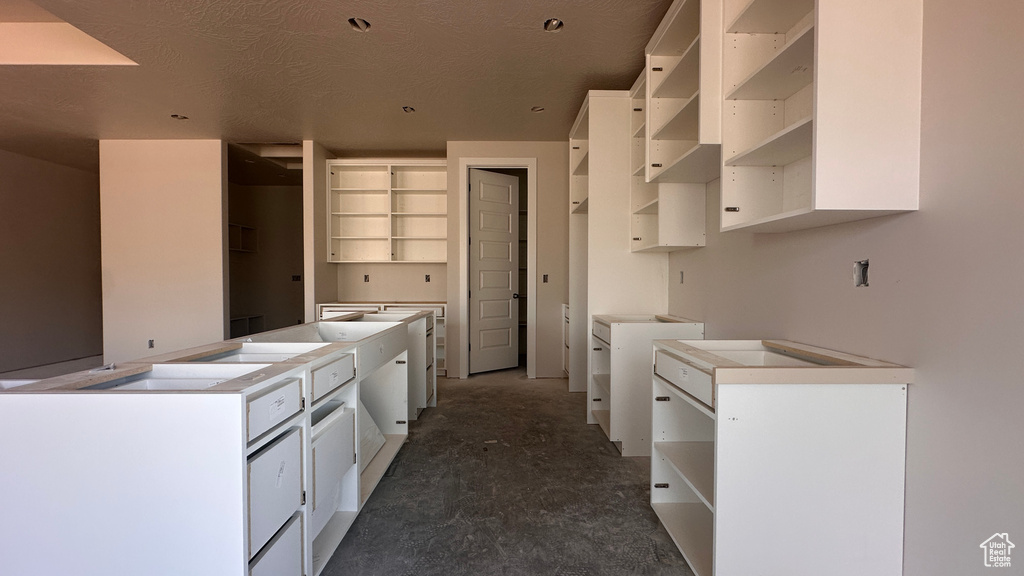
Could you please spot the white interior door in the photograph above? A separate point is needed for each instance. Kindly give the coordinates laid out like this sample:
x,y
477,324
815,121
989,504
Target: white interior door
x,y
493,271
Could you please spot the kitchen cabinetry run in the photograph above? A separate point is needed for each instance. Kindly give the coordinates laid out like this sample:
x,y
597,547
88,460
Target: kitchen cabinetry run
x,y
792,454
388,210
821,120
248,455
619,392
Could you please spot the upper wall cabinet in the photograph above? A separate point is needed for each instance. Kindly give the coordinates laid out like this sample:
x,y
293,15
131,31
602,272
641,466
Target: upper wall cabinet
x,y
665,216
388,211
821,119
684,90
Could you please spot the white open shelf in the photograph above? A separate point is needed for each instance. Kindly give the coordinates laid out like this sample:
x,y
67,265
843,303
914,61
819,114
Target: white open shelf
x,y
400,202
785,74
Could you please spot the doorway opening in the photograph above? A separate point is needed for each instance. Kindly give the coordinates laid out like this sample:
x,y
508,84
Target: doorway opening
x,y
519,307
264,232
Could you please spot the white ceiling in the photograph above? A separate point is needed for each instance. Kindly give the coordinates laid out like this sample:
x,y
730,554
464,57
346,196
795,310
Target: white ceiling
x,y
289,70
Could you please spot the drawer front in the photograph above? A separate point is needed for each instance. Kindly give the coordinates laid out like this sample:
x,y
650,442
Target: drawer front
x,y
437,309
326,379
430,349
275,487
283,556
334,453
687,378
603,331
269,408
332,311
373,354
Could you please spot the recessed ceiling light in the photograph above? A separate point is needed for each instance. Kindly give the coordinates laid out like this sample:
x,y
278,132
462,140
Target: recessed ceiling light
x,y
359,24
179,116
537,109
553,24
408,109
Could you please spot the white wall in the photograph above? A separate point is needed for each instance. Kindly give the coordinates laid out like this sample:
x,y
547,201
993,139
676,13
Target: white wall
x,y
50,300
551,212
946,292
163,219
392,283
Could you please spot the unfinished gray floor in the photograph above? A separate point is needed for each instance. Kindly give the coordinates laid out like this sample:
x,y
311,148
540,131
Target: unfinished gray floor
x,y
505,477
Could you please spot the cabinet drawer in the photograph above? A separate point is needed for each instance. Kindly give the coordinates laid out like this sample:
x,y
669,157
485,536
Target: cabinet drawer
x,y
275,487
373,354
603,331
333,454
327,378
283,555
271,407
687,377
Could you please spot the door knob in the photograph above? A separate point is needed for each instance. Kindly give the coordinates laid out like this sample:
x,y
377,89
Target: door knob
x,y
515,296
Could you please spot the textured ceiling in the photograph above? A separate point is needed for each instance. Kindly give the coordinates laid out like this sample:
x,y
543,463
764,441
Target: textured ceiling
x,y
289,70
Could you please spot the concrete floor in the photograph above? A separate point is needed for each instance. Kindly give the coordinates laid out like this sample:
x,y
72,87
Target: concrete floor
x,y
505,477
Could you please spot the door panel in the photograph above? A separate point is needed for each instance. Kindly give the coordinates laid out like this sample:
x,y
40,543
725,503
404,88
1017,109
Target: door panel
x,y
494,262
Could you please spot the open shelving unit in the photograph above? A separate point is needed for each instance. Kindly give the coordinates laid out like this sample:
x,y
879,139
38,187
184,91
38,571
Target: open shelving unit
x,y
753,444
671,161
802,146
579,162
388,211
683,92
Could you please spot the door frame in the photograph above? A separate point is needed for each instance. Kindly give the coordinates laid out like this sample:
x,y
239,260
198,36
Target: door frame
x,y
530,164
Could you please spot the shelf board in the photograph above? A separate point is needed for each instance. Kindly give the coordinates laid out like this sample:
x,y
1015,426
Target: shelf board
x,y
422,214
432,191
604,383
379,465
648,208
330,537
682,125
691,526
360,237
362,190
695,462
582,207
639,132
769,16
582,167
639,170
700,163
419,237
387,261
604,420
682,78
777,79
785,146
377,214
661,248
676,31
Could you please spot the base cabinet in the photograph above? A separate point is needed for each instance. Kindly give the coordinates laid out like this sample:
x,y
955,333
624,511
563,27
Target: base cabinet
x,y
620,381
795,459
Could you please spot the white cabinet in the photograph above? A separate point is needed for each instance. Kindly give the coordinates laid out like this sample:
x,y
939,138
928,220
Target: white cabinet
x,y
619,392
252,468
683,94
579,162
792,454
388,210
664,216
565,339
822,112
